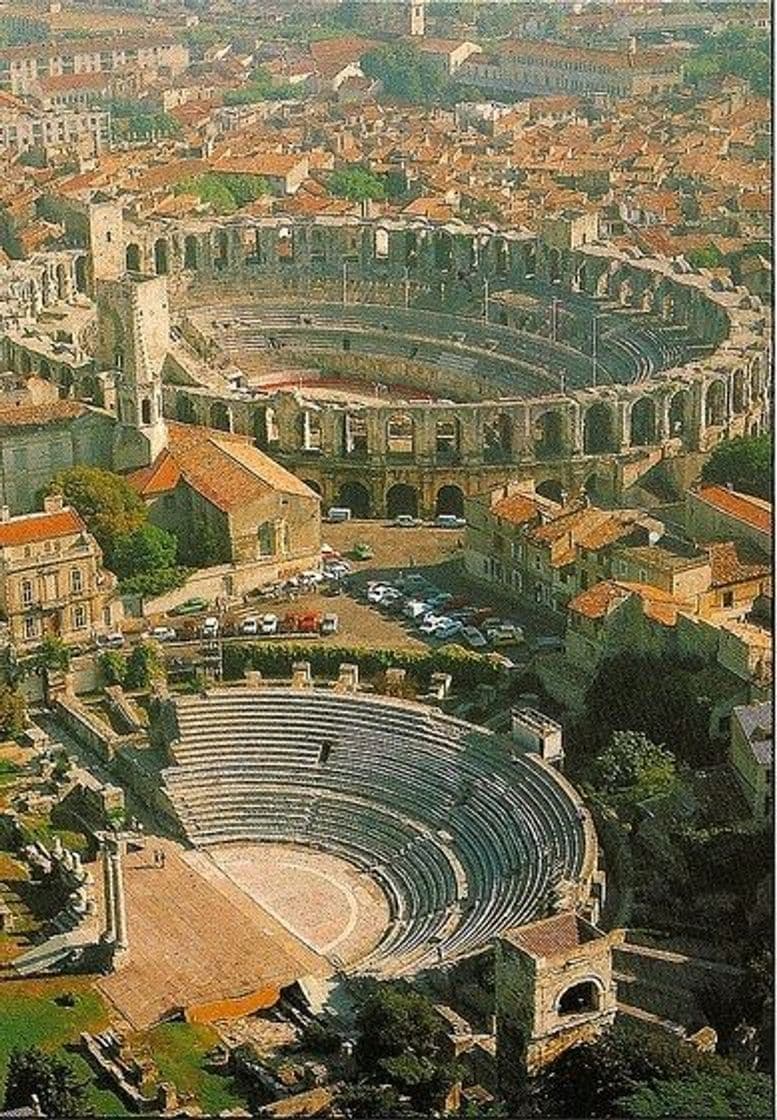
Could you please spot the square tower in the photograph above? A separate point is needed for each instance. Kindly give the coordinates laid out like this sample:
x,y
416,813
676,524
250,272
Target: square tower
x,y
106,241
417,17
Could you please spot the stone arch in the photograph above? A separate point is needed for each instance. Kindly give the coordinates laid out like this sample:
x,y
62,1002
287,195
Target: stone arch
x,y
646,299
738,392
579,998
642,422
161,257
355,497
678,413
592,484
501,257
219,416
191,253
62,284
554,264
450,499
530,260
81,272
401,498
221,255
443,250
400,434
313,485
497,438
548,433
552,489
145,411
132,257
447,439
184,410
598,429
715,405
355,437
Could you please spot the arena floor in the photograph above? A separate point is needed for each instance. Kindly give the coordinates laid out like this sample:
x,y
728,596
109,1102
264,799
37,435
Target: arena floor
x,y
196,937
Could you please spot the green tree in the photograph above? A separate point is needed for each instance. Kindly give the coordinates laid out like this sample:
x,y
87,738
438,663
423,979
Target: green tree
x,y
13,712
145,549
53,654
34,1073
406,73
356,183
114,666
708,257
145,665
745,463
702,1095
106,502
634,768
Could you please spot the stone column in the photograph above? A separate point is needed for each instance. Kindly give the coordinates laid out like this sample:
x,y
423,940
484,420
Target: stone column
x,y
122,941
109,899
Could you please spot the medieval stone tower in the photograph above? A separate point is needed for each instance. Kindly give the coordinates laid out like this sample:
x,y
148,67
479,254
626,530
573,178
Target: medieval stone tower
x,y
106,242
554,988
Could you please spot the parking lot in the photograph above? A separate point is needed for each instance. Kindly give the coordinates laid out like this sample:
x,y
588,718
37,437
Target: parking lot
x,y
422,564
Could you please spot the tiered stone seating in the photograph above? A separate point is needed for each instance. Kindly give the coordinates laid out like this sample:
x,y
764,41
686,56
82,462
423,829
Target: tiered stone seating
x,y
464,838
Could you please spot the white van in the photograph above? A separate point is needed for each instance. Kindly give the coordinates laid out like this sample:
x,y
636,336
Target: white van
x,y
449,521
338,513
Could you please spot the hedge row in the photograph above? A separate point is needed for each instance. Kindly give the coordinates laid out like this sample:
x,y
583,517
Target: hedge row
x,y
275,659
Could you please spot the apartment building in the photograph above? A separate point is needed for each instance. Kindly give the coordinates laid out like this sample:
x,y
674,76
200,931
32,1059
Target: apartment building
x,y
52,581
22,67
527,67
86,131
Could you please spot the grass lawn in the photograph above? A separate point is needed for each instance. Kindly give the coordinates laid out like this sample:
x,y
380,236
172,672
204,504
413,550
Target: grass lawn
x,y
30,1017
178,1050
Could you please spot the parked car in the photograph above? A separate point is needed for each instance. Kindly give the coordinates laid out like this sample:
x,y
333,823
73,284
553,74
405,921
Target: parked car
x,y
473,637
449,521
309,623
113,640
311,576
507,633
268,624
162,634
376,592
416,608
332,587
249,626
191,606
329,624
431,623
337,570
448,628
406,521
362,551
549,642
338,513
210,627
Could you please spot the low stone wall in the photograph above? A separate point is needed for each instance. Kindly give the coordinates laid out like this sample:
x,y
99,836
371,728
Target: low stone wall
x,y
85,726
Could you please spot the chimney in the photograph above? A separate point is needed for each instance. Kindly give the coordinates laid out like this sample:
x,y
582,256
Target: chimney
x,y
53,503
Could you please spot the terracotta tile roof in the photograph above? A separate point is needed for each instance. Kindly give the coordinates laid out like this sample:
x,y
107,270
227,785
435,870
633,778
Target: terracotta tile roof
x,y
37,415
40,527
754,512
516,508
657,604
549,936
160,477
597,601
733,562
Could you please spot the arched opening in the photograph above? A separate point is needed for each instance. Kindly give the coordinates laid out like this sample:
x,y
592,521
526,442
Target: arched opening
x,y
219,416
356,498
402,498
530,261
61,282
81,274
738,394
551,489
678,411
592,485
646,301
184,410
580,281
26,362
554,265
450,499
381,243
625,293
400,435
715,405
643,423
132,257
501,257
411,248
580,998
285,244
312,485
355,434
44,371
756,381
598,433
443,251
145,411
160,257
446,436
191,254
309,431
548,441
666,307
497,439
221,256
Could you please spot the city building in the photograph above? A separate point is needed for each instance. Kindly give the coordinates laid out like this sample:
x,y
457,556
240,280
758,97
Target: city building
x,y
52,582
751,750
54,131
22,67
719,512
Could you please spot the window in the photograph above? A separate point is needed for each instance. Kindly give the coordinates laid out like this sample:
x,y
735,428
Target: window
x,y
27,593
266,535
30,628
76,580
728,598
79,617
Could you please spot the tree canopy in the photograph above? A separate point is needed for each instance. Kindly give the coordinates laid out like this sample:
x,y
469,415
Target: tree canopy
x,y
34,1073
635,768
745,462
106,502
143,550
736,52
261,86
702,1095
224,193
13,712
356,183
406,73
